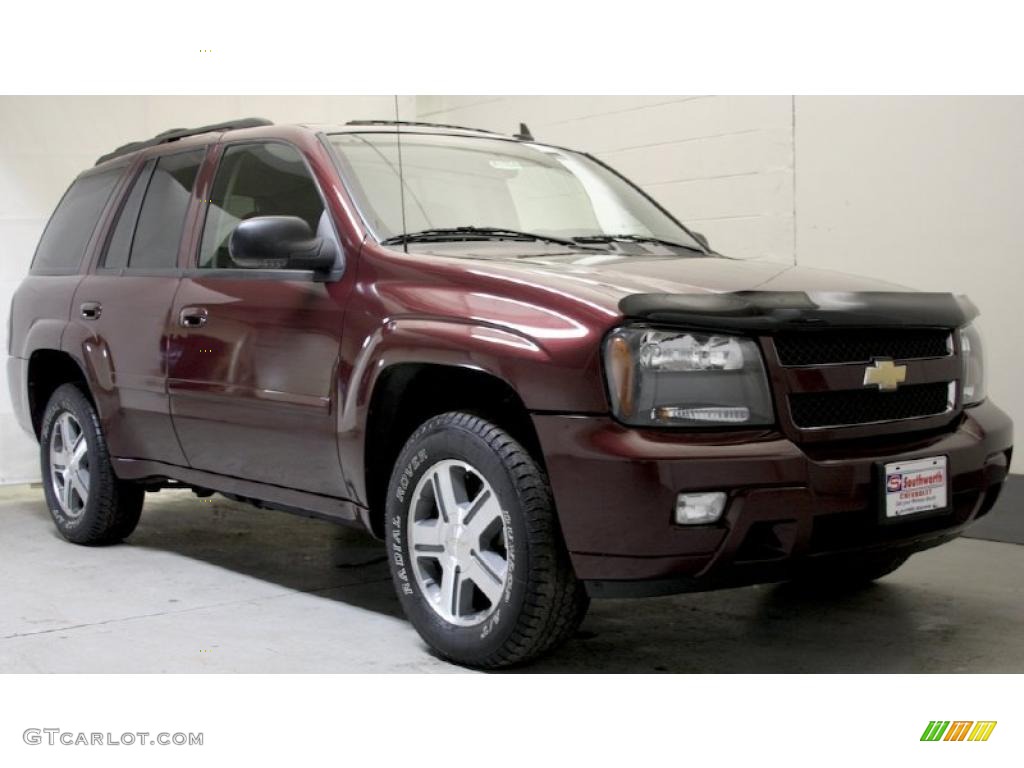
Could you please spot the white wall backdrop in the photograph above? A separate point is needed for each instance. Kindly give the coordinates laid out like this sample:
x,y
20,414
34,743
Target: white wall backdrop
x,y
927,192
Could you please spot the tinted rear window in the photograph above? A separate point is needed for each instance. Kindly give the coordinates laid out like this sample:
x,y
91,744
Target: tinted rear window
x,y
64,241
120,243
158,233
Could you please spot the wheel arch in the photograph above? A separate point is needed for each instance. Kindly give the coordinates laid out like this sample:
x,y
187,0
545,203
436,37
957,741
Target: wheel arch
x,y
47,370
410,369
393,415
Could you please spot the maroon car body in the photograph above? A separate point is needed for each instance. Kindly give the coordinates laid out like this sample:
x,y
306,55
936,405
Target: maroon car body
x,y
294,392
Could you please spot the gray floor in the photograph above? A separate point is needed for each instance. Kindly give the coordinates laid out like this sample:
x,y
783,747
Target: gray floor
x,y
214,586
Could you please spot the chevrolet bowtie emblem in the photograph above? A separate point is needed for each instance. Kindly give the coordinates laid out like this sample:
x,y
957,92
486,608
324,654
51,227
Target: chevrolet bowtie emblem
x,y
885,375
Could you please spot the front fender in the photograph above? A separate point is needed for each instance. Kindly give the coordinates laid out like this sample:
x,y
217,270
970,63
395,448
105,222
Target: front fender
x,y
566,383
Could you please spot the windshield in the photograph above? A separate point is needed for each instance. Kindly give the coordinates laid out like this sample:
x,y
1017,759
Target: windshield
x,y
454,182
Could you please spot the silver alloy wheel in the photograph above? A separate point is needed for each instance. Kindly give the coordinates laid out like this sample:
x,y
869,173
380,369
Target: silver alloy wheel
x,y
69,465
457,542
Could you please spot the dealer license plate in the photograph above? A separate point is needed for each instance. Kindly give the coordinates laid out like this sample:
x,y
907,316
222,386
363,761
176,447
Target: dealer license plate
x,y
914,487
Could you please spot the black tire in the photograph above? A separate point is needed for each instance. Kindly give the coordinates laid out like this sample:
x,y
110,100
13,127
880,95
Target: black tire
x,y
113,506
849,573
542,602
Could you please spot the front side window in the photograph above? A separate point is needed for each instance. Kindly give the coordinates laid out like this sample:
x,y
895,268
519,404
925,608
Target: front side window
x,y
269,179
162,217
69,230
454,182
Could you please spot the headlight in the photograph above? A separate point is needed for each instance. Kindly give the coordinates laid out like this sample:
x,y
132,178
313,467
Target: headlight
x,y
684,378
974,365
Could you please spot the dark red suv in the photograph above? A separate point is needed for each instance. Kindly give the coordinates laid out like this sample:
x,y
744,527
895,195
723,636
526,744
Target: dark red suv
x,y
502,358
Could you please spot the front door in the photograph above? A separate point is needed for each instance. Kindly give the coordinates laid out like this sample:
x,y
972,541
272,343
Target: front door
x,y
253,353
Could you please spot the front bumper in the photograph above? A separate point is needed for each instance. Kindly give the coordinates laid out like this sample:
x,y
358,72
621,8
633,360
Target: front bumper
x,y
615,490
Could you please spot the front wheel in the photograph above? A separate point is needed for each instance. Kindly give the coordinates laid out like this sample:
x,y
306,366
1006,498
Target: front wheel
x,y
474,546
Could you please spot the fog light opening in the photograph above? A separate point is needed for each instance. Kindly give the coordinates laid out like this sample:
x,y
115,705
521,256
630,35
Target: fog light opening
x,y
699,508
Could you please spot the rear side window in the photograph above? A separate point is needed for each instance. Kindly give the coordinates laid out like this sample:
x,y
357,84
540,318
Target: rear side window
x,y
67,235
120,243
158,233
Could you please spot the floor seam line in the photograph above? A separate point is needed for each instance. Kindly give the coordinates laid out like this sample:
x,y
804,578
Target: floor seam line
x,y
86,625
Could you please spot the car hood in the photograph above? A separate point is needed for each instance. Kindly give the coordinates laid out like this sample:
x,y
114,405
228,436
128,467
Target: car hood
x,y
698,290
617,275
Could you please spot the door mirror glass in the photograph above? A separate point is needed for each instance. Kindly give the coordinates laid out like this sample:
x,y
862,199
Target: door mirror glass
x,y
280,242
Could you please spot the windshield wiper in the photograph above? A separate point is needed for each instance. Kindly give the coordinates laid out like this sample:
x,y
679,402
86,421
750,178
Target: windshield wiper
x,y
454,234
634,239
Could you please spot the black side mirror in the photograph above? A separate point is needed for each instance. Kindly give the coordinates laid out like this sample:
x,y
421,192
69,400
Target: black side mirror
x,y
280,242
701,239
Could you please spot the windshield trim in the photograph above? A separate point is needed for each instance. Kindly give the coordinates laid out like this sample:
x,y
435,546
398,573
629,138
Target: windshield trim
x,y
651,200
344,173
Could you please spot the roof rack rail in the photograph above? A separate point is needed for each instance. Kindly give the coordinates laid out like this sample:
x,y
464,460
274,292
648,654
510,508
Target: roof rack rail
x,y
180,133
417,124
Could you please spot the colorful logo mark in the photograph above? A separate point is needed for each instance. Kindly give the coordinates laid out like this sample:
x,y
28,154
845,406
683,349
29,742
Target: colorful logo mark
x,y
958,730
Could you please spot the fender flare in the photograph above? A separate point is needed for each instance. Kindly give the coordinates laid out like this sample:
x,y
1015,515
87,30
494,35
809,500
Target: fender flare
x,y
510,356
499,352
50,335
94,358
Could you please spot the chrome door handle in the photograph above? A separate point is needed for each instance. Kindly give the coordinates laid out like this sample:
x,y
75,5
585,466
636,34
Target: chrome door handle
x,y
193,317
90,310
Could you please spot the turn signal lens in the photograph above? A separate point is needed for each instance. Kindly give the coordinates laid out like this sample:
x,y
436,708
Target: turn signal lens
x,y
620,374
735,415
974,365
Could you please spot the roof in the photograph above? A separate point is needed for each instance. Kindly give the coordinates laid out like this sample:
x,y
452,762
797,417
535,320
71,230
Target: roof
x,y
353,126
180,133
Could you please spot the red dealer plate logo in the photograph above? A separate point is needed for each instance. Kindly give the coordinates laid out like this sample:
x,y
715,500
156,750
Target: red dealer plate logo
x,y
917,486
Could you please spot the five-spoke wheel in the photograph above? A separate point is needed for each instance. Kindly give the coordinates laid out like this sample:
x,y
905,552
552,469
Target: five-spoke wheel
x,y
457,534
69,465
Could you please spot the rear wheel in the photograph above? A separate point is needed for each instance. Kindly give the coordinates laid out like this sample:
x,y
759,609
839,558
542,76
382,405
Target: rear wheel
x,y
475,550
86,500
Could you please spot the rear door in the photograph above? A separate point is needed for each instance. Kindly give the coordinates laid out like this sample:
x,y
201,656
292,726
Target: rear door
x,y
126,303
253,352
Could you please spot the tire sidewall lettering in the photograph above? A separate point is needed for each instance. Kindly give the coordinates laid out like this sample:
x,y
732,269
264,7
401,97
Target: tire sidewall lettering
x,y
407,474
492,621
397,547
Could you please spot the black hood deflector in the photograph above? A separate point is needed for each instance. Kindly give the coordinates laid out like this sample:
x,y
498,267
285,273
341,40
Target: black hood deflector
x,y
773,311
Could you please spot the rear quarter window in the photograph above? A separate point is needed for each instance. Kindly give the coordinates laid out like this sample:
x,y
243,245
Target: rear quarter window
x,y
70,228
